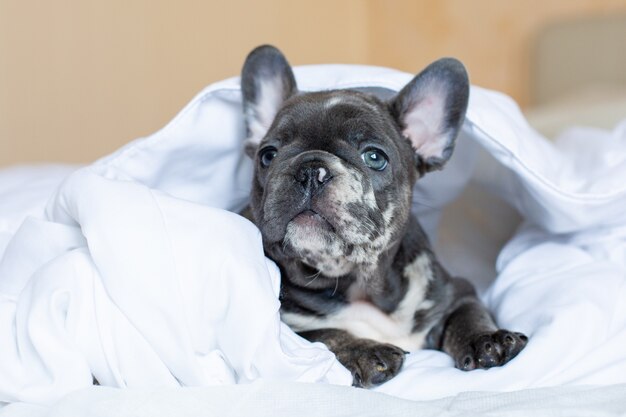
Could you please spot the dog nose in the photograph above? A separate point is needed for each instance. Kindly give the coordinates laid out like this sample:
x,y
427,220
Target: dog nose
x,y
313,175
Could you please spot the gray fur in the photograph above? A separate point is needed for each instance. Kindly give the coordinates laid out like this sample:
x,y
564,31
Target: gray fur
x,y
358,273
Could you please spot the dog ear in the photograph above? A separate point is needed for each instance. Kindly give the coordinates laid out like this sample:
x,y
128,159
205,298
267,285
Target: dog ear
x,y
266,82
430,111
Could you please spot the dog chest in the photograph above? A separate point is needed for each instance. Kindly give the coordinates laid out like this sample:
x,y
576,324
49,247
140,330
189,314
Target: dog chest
x,y
363,319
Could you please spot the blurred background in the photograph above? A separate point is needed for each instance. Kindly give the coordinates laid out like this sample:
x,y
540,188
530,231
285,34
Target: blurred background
x,y
79,78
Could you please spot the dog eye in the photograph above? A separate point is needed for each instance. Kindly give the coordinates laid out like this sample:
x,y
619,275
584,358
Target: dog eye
x,y
375,159
267,155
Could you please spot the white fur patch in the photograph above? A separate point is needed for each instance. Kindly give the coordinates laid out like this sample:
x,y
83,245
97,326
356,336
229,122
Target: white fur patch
x,y
363,319
343,98
345,189
333,101
321,174
419,273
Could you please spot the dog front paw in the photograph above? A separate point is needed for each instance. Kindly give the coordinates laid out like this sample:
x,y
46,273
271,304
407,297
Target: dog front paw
x,y
491,349
371,363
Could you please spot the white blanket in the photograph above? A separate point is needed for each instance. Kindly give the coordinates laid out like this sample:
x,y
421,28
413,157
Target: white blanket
x,y
136,273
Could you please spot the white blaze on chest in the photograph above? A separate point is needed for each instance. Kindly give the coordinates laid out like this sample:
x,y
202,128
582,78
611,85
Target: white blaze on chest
x,y
363,319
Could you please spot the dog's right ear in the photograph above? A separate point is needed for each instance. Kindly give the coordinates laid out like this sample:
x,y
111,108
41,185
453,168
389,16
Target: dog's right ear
x,y
266,82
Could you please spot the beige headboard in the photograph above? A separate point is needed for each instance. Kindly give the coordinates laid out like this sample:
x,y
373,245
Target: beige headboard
x,y
578,75
578,54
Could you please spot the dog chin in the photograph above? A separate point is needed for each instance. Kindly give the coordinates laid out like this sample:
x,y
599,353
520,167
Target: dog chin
x,y
311,240
308,233
312,222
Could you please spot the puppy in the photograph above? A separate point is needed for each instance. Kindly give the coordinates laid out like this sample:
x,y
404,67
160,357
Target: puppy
x,y
333,180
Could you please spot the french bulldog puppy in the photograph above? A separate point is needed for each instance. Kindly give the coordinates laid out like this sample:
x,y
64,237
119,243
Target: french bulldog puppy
x,y
333,180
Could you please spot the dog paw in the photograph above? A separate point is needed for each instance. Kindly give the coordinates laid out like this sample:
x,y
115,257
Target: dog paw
x,y
491,349
371,363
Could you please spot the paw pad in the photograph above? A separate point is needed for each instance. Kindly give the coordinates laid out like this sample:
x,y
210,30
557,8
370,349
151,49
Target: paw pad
x,y
492,349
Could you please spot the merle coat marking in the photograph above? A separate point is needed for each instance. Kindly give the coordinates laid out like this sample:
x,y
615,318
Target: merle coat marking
x,y
334,174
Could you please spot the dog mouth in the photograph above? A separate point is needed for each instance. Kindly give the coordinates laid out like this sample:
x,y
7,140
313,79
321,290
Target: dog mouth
x,y
313,220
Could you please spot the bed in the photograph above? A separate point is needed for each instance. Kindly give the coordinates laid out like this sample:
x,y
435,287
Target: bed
x,y
135,271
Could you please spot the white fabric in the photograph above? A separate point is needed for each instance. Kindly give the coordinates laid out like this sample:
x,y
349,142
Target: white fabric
x,y
135,272
312,400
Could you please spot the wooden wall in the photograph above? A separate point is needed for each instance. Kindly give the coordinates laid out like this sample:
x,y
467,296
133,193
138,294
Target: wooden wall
x,y
79,78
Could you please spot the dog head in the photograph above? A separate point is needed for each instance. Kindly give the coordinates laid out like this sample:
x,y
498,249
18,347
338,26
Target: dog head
x,y
334,170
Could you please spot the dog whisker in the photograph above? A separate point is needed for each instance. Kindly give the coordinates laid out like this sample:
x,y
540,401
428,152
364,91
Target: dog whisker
x,y
315,276
336,286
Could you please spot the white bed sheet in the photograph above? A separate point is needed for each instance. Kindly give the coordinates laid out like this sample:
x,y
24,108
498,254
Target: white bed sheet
x,y
312,400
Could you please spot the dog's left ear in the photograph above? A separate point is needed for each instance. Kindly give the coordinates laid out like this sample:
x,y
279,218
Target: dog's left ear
x,y
430,111
266,82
